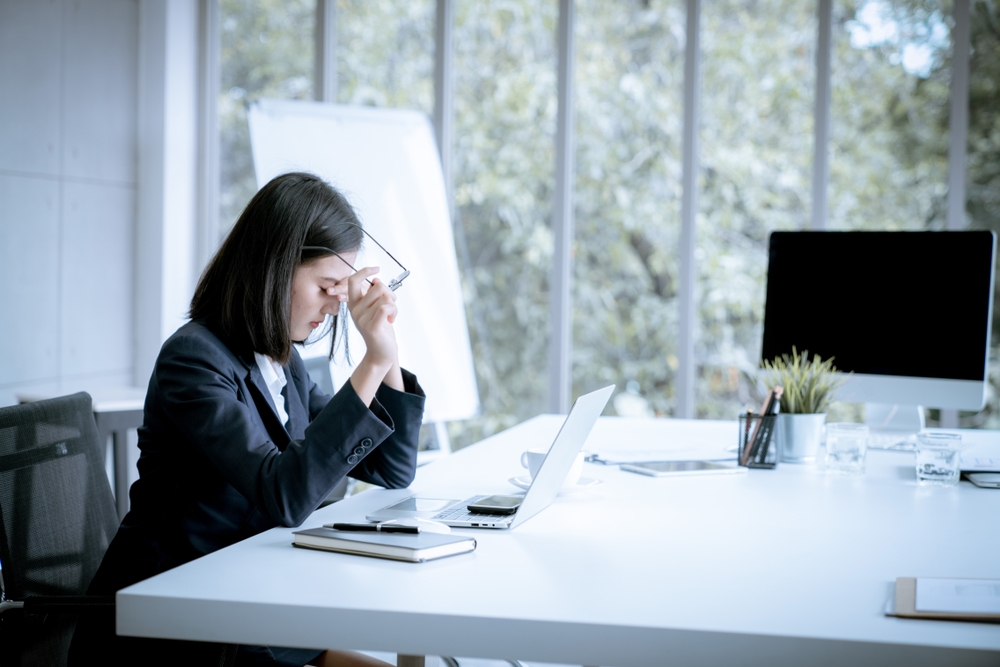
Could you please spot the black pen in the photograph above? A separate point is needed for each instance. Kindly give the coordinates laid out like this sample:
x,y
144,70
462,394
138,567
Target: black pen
x,y
374,528
778,391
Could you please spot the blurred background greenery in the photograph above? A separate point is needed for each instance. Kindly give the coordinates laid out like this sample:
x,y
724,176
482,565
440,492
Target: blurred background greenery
x,y
891,72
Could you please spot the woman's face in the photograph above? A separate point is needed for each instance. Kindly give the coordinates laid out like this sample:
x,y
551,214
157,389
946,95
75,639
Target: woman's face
x,y
318,287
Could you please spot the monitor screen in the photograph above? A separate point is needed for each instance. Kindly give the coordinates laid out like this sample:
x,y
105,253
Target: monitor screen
x,y
911,304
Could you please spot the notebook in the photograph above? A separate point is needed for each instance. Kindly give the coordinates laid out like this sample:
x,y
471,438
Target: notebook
x,y
394,546
544,487
946,599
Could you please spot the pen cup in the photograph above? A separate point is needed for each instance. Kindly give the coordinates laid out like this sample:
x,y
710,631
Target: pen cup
x,y
758,448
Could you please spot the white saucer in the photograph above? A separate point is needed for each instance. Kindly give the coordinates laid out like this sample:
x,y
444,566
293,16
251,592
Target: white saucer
x,y
585,484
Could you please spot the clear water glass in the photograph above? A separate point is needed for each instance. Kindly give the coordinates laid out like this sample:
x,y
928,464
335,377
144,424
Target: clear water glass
x,y
846,446
939,457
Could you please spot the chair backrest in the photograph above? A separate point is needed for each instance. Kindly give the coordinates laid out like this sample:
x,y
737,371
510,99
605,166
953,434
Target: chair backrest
x,y
319,370
57,513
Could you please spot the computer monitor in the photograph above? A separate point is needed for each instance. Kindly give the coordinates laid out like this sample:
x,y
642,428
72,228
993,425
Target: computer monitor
x,y
907,313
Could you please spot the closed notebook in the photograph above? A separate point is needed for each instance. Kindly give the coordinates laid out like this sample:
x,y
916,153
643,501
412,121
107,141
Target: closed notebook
x,y
948,599
395,546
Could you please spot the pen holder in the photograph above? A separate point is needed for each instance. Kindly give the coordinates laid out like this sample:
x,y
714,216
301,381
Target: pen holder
x,y
758,446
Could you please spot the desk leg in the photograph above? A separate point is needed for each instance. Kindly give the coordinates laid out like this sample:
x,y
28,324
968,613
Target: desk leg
x,y
417,661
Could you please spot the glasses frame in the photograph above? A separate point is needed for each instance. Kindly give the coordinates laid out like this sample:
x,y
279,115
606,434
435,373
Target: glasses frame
x,y
393,284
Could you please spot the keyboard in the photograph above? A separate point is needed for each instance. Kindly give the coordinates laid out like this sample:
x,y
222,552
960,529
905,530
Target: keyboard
x,y
461,514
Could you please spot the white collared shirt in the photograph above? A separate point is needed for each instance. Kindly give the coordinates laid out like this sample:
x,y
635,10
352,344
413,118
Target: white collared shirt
x,y
274,378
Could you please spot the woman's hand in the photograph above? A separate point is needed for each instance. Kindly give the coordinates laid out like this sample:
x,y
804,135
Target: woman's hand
x,y
373,309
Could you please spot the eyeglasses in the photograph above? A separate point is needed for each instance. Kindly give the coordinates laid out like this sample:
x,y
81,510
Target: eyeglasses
x,y
394,284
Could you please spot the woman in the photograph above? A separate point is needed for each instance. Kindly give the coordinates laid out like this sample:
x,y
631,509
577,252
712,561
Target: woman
x,y
236,438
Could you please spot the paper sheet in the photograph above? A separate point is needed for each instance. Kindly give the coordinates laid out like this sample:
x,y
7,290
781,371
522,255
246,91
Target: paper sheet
x,y
973,596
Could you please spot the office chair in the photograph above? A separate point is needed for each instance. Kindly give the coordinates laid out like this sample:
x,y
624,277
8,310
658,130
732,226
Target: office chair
x,y
57,518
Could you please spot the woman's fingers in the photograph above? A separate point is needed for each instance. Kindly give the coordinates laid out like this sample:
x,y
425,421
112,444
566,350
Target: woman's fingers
x,y
386,312
375,294
341,296
339,290
357,282
377,304
374,312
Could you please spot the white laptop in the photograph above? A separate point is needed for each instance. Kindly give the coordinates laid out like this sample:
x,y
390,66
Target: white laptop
x,y
544,487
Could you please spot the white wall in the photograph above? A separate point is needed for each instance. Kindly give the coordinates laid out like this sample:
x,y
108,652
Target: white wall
x,y
68,188
98,188
166,227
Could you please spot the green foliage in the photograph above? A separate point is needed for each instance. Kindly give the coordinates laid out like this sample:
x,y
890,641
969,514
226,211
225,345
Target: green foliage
x,y
629,78
756,170
266,50
505,104
385,53
809,386
983,166
888,162
888,147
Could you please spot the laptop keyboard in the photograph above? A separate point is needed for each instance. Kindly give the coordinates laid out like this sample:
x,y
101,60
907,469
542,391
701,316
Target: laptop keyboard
x,y
461,513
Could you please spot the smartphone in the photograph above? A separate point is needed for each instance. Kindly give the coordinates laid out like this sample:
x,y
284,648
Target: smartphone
x,y
496,505
670,468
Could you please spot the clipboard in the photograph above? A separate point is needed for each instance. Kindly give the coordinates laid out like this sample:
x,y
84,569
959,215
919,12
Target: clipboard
x,y
906,601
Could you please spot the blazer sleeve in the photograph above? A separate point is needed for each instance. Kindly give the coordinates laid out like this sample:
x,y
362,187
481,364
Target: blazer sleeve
x,y
201,395
395,460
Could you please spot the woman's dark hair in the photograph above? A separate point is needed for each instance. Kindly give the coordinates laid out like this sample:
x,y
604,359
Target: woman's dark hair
x,y
245,291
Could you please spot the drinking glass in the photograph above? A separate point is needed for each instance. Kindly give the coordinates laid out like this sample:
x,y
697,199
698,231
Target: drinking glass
x,y
846,445
938,458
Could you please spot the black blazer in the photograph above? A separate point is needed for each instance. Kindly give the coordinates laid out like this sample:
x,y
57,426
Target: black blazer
x,y
216,465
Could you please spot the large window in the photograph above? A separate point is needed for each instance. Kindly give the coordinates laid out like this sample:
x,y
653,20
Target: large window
x,y
891,76
385,53
629,116
891,79
983,166
266,50
756,130
505,106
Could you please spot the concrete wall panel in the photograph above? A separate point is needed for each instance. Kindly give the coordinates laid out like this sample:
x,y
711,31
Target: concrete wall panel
x,y
96,284
29,279
30,77
101,84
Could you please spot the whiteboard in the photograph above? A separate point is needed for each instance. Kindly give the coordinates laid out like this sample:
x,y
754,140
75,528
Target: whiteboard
x,y
385,161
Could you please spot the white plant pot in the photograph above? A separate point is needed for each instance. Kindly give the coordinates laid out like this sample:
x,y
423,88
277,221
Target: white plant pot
x,y
800,436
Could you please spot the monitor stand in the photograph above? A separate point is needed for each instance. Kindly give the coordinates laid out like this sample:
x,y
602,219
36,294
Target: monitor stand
x,y
893,426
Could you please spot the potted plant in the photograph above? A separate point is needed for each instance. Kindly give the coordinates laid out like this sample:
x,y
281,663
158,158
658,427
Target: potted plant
x,y
809,386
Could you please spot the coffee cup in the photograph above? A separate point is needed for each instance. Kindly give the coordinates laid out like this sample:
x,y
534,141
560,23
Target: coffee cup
x,y
533,459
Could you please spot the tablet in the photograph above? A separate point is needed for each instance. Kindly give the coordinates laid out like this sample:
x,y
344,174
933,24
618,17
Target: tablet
x,y
986,480
674,468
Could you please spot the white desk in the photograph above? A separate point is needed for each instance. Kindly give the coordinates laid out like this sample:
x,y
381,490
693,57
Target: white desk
x,y
782,567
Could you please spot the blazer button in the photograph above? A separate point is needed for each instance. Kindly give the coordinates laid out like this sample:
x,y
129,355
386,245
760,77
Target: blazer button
x,y
366,443
360,451
352,459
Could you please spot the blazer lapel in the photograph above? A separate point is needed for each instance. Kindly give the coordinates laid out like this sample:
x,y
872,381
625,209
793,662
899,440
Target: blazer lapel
x,y
265,406
298,414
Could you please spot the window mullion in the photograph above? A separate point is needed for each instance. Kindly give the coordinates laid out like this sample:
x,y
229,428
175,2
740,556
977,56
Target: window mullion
x,y
326,51
685,386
